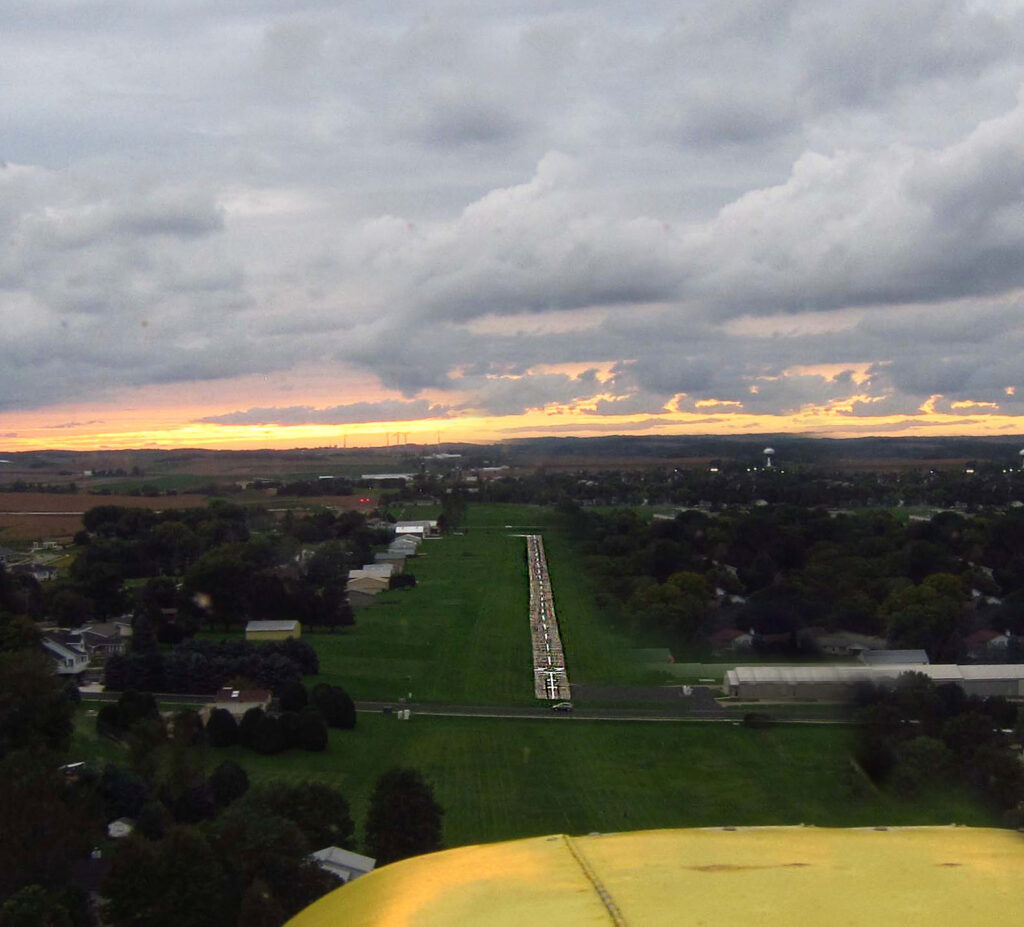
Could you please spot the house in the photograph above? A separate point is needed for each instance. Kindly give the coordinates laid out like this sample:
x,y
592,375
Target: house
x,y
10,556
41,572
122,827
986,643
847,643
731,639
104,639
272,630
239,701
344,864
69,659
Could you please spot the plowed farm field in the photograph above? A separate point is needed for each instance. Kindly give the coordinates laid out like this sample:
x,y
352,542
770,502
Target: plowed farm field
x,y
38,515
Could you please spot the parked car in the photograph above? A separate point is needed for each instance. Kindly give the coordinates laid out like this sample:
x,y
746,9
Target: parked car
x,y
562,706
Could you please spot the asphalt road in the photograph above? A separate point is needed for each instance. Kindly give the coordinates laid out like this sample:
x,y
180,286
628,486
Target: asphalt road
x,y
578,714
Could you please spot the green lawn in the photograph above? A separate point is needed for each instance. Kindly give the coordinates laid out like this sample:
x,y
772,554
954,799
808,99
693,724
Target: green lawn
x,y
595,653
461,636
502,779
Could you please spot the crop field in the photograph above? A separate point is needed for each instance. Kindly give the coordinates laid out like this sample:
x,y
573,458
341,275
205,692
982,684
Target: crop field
x,y
503,779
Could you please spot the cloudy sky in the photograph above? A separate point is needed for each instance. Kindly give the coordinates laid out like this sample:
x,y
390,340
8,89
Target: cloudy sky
x,y
259,223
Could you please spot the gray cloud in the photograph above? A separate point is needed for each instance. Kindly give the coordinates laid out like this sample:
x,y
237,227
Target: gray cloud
x,y
347,414
200,191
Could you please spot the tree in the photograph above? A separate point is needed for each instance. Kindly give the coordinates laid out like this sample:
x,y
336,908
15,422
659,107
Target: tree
x,y
403,818
221,728
259,908
269,736
34,708
123,793
249,725
336,706
311,731
33,906
294,696
321,813
179,880
228,782
44,825
924,616
919,762
270,849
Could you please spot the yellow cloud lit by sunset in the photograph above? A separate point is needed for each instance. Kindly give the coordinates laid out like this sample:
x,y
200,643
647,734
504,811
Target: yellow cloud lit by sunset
x,y
168,428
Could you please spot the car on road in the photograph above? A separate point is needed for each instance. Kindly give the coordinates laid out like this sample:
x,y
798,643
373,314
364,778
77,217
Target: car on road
x,y
562,706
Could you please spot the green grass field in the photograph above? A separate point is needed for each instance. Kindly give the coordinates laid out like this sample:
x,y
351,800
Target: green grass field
x,y
462,636
503,779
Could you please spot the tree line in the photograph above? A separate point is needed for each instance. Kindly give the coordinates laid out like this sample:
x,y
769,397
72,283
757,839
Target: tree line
x,y
782,569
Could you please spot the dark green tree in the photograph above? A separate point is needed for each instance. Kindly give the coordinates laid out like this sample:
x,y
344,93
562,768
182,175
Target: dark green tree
x,y
34,906
403,818
178,880
228,782
34,708
221,728
321,813
336,706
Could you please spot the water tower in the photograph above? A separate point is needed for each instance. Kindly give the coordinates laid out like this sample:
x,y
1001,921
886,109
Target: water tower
x,y
769,453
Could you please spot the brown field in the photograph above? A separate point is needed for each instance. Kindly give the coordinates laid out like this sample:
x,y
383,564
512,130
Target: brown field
x,y
38,527
28,516
80,502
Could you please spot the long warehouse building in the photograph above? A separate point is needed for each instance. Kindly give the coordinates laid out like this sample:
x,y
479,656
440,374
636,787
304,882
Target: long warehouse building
x,y
835,682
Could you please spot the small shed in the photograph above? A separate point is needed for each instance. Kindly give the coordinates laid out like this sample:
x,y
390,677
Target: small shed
x,y
344,864
272,630
368,585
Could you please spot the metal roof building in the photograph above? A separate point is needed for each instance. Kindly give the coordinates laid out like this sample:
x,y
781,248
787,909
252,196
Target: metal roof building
x,y
897,657
833,682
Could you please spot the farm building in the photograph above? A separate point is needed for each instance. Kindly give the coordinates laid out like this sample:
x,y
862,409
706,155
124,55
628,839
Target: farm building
x,y
406,543
272,630
894,657
395,557
422,528
835,683
367,585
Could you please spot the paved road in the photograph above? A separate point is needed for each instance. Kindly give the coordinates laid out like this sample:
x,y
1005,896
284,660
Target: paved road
x,y
579,714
